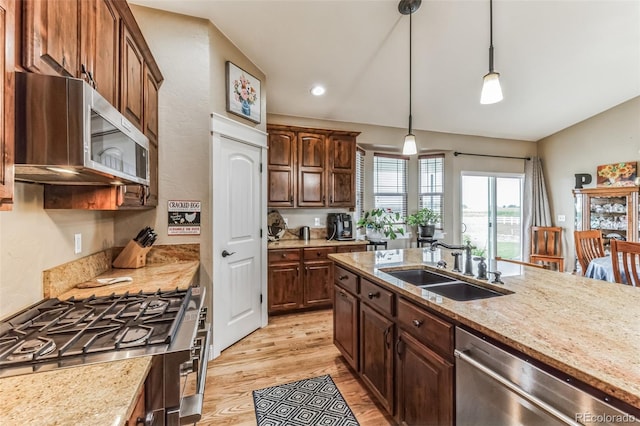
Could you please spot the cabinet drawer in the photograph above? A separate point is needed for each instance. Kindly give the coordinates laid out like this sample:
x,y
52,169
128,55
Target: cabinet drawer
x,y
284,255
374,295
351,248
347,280
318,253
429,329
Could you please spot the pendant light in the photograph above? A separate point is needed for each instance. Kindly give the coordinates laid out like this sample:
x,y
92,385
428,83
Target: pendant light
x,y
407,7
491,90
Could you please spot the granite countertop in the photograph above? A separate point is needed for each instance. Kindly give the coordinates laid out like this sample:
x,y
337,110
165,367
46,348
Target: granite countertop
x,y
586,328
93,394
319,242
148,279
98,394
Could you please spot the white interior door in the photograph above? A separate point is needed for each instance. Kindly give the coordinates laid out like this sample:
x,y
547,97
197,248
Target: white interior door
x,y
237,241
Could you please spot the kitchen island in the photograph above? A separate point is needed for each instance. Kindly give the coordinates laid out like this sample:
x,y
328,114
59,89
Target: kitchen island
x,y
584,328
99,393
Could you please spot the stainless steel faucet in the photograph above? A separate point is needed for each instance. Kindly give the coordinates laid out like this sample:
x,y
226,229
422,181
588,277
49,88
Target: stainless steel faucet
x,y
468,264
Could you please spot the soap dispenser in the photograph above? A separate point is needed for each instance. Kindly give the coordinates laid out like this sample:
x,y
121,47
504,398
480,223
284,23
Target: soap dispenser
x,y
482,268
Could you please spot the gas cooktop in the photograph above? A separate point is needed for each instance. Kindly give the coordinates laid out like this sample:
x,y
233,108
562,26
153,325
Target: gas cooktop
x,y
58,333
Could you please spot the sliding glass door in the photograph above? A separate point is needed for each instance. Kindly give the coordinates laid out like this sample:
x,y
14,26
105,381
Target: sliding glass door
x,y
492,214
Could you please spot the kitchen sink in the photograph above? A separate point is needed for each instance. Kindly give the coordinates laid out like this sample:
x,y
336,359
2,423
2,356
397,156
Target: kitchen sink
x,y
420,277
461,291
443,285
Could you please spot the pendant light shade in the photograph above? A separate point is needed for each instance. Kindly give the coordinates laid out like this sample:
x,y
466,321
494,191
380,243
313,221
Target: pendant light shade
x,y
407,7
491,90
409,147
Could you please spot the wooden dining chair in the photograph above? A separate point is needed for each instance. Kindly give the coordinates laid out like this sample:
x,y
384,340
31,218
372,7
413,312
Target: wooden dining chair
x,y
546,246
589,245
625,257
518,262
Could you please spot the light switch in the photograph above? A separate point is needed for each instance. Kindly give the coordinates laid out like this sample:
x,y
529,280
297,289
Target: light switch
x,y
77,243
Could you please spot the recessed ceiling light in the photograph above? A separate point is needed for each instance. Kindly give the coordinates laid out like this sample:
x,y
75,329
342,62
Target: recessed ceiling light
x,y
317,90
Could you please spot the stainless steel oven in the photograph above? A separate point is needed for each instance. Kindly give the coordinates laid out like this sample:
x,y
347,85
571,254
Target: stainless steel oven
x,y
496,387
171,326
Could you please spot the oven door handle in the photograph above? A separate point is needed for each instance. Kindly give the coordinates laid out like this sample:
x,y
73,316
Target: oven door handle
x,y
516,389
191,406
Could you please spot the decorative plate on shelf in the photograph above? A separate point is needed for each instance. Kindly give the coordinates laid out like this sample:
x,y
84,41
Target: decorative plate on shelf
x,y
275,226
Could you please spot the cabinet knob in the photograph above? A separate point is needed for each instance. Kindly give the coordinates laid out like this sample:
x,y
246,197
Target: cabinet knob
x,y
318,254
342,277
417,323
343,294
373,295
284,255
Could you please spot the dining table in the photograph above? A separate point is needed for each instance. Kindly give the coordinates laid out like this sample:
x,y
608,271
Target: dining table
x,y
601,268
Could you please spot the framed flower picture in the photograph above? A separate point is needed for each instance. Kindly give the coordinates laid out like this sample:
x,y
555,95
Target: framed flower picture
x,y
617,174
243,93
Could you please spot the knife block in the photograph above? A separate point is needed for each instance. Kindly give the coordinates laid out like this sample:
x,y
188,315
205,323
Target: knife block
x,y
132,256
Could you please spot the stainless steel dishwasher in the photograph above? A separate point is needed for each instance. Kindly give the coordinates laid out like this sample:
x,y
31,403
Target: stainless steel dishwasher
x,y
495,387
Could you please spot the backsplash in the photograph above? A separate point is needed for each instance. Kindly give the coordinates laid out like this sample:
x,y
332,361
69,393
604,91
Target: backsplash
x,y
64,277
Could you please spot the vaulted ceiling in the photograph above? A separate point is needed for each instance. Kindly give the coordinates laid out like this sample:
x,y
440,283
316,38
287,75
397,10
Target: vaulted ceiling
x,y
561,61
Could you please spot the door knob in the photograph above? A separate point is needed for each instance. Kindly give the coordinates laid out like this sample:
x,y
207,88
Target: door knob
x,y
226,253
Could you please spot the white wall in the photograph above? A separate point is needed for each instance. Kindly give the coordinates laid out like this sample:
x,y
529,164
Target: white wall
x,y
609,137
191,54
33,239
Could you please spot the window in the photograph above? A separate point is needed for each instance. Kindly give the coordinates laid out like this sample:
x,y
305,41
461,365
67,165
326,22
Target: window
x,y
431,184
359,211
390,183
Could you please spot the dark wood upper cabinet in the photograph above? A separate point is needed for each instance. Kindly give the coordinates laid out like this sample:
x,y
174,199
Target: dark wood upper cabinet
x,y
75,39
311,170
281,168
100,46
311,167
342,173
131,88
51,37
7,97
150,106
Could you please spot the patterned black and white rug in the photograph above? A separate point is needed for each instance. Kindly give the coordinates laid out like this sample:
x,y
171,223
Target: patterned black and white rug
x,y
316,401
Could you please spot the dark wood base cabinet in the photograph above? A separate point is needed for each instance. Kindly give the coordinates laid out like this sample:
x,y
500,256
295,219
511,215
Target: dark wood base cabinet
x,y
302,278
424,383
376,354
411,374
345,325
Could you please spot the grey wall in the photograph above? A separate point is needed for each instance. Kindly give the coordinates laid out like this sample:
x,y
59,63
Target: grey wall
x,y
609,137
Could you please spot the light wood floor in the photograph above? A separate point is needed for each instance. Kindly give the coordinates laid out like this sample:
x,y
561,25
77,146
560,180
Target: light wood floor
x,y
292,347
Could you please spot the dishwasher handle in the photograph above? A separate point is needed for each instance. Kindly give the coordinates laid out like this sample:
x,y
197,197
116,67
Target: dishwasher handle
x,y
515,388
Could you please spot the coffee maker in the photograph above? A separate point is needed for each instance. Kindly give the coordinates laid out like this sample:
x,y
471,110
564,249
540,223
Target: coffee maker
x,y
339,227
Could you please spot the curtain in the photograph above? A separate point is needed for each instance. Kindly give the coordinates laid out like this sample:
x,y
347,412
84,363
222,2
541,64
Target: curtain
x,y
536,203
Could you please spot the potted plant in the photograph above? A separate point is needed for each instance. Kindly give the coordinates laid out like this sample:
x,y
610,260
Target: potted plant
x,y
379,222
425,219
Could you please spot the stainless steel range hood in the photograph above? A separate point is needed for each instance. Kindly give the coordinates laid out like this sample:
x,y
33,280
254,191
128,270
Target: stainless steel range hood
x,y
68,134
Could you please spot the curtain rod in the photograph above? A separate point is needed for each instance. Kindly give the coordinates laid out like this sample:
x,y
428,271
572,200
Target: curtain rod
x,y
456,153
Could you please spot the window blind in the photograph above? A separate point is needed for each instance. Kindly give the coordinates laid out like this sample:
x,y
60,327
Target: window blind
x,y
359,211
431,184
390,183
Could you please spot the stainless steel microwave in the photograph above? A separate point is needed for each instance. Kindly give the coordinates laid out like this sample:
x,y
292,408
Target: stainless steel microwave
x,y
67,133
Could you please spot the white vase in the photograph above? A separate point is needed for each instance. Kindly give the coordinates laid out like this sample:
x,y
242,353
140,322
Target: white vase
x,y
373,234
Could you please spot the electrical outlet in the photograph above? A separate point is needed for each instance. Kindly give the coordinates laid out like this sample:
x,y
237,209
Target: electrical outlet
x,y
316,221
77,243
561,218
286,221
